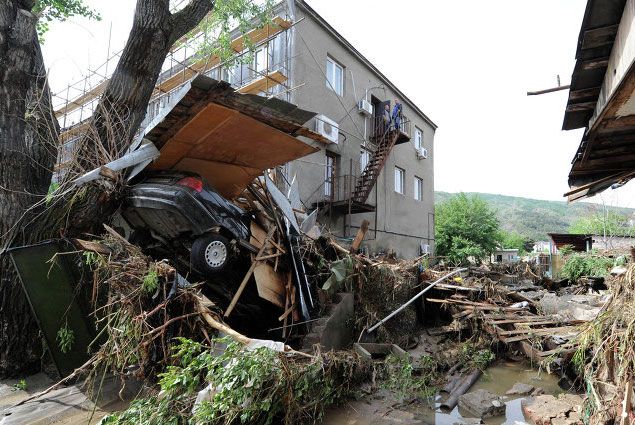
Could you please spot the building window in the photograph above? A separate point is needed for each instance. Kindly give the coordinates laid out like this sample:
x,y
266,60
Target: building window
x,y
400,180
329,175
334,76
418,138
260,61
418,189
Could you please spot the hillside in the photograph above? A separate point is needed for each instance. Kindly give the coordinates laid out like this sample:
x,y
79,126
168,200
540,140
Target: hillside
x,y
535,218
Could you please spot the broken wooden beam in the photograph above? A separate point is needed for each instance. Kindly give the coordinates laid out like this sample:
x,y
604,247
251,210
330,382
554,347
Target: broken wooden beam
x,y
254,263
360,236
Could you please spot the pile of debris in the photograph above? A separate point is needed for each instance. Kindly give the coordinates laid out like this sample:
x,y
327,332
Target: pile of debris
x,y
229,302
605,356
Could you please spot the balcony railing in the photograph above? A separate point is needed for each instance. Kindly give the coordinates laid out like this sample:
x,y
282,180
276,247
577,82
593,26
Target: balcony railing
x,y
380,127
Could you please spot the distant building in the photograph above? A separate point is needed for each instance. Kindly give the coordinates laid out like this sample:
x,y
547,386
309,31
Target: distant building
x,y
505,256
542,246
585,243
613,242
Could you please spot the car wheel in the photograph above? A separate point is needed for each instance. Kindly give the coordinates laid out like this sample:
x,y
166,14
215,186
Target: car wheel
x,y
210,254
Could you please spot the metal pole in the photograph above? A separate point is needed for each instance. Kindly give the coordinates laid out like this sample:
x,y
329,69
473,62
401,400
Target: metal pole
x,y
394,313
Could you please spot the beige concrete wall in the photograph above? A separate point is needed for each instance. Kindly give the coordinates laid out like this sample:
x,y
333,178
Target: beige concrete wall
x,y
401,223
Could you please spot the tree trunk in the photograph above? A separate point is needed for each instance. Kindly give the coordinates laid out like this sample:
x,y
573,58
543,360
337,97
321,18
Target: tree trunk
x,y
29,138
123,106
27,154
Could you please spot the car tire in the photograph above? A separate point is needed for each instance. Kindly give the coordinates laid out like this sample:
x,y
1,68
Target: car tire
x,y
211,254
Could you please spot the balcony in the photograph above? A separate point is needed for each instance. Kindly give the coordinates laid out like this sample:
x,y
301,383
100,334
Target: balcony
x,y
380,129
338,196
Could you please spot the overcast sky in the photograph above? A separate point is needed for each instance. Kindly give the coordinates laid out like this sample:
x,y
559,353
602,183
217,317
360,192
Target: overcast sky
x,y
467,64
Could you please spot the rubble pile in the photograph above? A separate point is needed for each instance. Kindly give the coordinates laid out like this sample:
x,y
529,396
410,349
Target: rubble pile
x,y
248,344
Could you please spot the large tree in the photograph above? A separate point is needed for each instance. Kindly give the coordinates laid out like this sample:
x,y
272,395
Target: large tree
x,y
29,136
466,228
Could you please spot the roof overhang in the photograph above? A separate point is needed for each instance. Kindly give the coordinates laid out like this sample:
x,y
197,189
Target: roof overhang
x,y
227,137
578,242
595,43
603,102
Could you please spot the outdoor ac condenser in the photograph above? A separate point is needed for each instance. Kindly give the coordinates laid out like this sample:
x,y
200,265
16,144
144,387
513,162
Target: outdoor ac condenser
x,y
327,128
422,153
364,107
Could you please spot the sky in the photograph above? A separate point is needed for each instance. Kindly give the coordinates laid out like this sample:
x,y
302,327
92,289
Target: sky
x,y
467,64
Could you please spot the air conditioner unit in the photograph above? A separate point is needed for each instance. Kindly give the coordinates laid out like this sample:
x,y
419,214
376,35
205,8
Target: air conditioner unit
x,y
327,128
424,248
422,153
364,107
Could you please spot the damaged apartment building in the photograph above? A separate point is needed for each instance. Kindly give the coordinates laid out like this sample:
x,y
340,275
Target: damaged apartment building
x,y
362,170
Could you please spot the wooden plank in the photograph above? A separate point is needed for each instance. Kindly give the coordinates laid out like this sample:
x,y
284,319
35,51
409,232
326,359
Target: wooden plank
x,y
591,93
532,322
599,37
553,322
597,63
83,99
243,284
259,34
270,256
289,304
270,284
542,331
581,106
263,83
484,307
360,236
258,235
456,288
92,246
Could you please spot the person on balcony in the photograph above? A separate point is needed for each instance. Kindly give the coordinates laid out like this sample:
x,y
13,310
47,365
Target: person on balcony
x,y
396,115
386,117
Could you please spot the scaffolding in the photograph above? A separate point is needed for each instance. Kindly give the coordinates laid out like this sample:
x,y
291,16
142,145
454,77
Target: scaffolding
x,y
263,69
261,65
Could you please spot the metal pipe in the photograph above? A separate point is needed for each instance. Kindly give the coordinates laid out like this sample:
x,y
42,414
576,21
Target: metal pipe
x,y
536,93
394,313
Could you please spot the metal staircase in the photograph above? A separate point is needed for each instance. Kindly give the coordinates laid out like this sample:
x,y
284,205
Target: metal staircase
x,y
369,176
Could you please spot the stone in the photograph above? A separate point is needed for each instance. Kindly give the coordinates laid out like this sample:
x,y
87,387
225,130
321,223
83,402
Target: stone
x,y
520,388
538,391
549,410
482,403
467,421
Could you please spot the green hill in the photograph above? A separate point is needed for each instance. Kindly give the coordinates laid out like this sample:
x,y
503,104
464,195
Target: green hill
x,y
535,218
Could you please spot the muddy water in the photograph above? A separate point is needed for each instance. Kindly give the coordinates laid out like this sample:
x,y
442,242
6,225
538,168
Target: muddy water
x,y
498,379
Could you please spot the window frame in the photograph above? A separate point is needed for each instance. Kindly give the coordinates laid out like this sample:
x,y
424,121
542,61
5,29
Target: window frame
x,y
401,179
329,178
418,188
258,67
419,141
364,158
332,74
